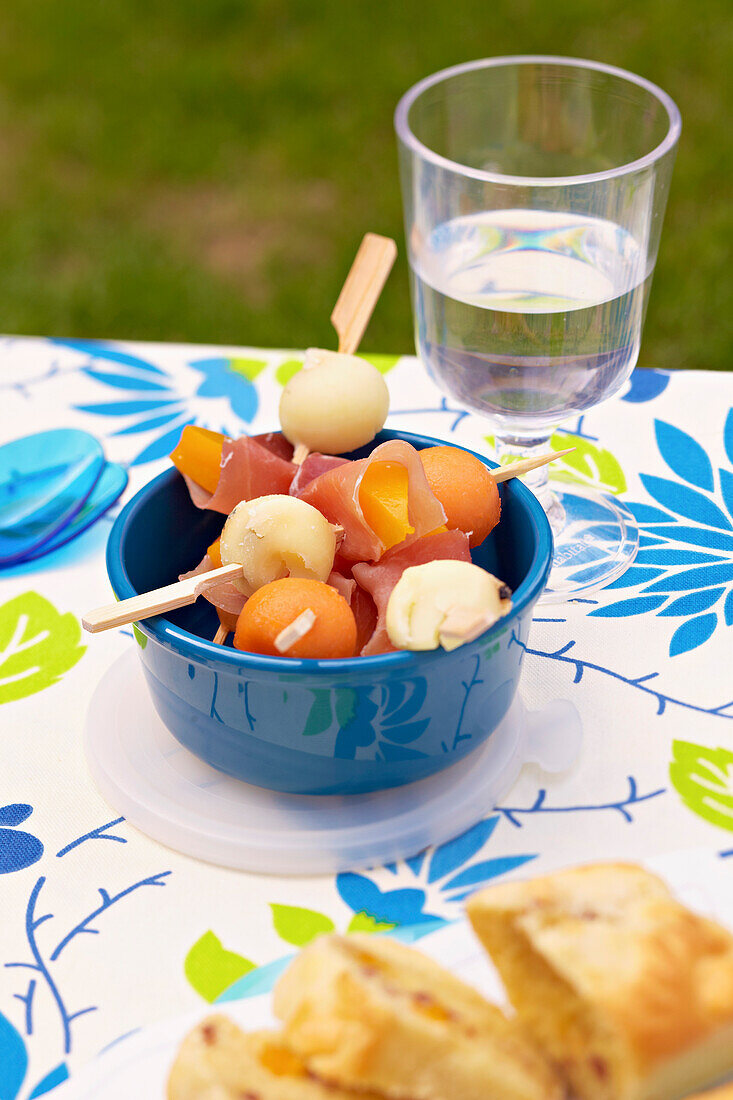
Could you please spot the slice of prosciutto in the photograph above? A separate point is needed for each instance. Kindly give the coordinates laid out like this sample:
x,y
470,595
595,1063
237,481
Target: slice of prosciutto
x,y
248,470
364,610
380,578
276,443
314,465
227,599
336,494
345,586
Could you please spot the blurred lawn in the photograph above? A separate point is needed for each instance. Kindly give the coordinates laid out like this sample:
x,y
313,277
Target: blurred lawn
x,y
204,169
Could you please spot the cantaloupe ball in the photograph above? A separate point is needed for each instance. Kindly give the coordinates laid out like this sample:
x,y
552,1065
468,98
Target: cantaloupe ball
x,y
465,488
276,605
335,404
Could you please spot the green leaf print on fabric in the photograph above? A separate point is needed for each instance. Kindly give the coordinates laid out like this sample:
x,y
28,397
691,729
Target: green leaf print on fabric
x,y
383,363
288,370
588,465
290,367
299,926
704,780
37,645
248,368
211,969
363,922
594,467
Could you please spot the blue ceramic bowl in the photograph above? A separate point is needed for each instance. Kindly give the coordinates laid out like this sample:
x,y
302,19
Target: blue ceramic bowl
x,y
322,727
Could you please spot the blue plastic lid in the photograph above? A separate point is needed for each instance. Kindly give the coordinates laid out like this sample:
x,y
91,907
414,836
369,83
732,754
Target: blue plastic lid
x,y
112,483
45,480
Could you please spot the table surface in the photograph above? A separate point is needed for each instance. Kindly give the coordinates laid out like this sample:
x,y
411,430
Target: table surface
x,y
104,931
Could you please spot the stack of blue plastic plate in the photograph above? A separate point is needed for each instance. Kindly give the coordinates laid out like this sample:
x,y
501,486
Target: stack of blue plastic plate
x,y
53,486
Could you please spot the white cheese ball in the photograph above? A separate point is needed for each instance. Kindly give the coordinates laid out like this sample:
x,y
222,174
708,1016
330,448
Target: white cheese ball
x,y
335,404
277,536
444,603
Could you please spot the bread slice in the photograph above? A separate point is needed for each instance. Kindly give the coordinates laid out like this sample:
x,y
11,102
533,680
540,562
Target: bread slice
x,y
218,1061
627,992
366,1012
723,1092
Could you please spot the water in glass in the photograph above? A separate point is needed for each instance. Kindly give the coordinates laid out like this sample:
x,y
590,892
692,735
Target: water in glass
x,y
529,315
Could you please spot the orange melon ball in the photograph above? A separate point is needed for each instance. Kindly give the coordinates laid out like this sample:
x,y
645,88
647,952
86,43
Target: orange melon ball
x,y
466,490
276,605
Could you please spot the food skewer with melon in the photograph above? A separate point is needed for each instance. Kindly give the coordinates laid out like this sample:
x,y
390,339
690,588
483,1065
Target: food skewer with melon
x,y
333,557
370,500
338,402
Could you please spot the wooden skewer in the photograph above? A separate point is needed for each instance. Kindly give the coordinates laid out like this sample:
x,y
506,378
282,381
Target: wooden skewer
x,y
361,290
171,596
294,631
359,295
517,469
158,601
222,634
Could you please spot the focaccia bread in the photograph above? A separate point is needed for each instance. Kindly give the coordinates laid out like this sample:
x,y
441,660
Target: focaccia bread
x,y
628,992
723,1092
366,1012
218,1061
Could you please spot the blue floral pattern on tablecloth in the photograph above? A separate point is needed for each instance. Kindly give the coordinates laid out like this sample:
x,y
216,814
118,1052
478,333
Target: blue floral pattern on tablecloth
x,y
684,567
92,910
154,404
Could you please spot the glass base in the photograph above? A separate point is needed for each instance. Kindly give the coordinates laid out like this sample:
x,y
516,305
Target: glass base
x,y
596,540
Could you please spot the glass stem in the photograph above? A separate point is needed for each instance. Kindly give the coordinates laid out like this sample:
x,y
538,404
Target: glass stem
x,y
511,448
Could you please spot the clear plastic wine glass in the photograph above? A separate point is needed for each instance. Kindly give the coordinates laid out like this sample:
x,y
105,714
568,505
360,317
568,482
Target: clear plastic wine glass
x,y
534,190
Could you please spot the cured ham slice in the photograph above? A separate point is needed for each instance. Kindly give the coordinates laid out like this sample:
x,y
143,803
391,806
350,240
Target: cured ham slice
x,y
380,578
336,494
364,610
345,586
248,470
276,443
227,599
314,465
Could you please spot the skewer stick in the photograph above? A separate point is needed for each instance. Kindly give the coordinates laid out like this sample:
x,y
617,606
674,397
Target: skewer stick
x,y
359,295
294,631
158,601
361,290
517,469
222,634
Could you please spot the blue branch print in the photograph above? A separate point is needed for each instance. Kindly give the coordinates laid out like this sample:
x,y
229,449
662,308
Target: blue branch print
x,y
32,924
27,1000
42,966
23,387
512,813
639,682
107,902
444,407
96,834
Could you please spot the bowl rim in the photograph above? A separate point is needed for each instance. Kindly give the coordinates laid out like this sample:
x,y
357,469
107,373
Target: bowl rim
x,y
194,648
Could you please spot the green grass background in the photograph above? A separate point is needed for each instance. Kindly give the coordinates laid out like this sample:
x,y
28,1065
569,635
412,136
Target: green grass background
x,y
204,169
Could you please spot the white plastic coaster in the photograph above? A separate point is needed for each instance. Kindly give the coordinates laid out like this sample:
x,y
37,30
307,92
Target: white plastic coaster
x,y
175,798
